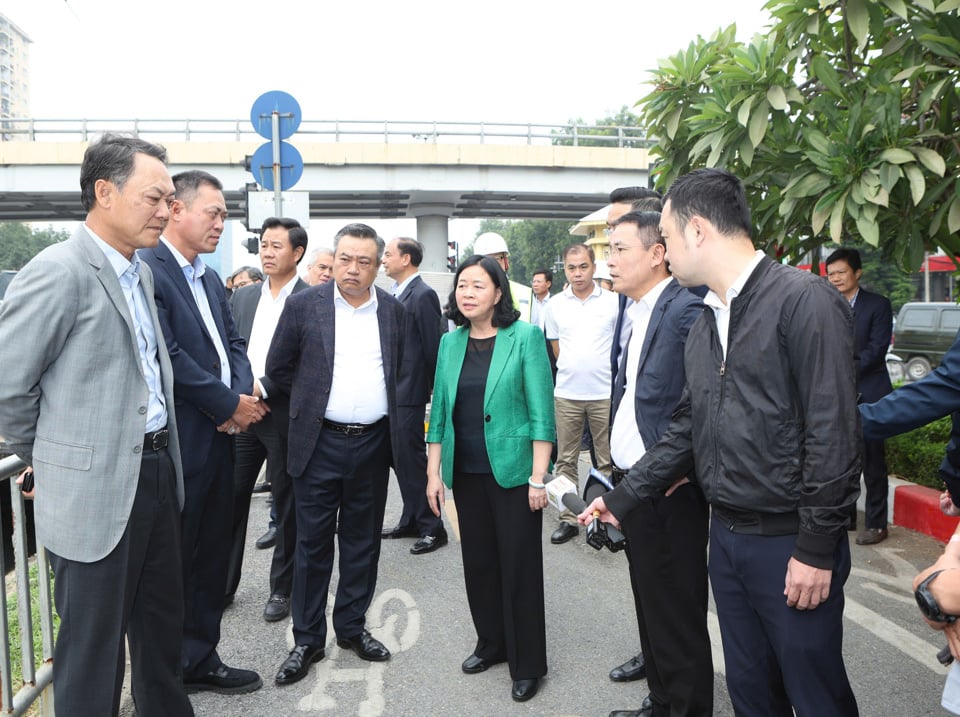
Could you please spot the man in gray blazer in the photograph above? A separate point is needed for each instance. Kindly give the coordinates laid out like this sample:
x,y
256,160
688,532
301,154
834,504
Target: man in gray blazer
x,y
86,398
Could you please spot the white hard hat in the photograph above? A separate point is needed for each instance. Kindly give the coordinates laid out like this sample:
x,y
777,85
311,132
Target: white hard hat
x,y
490,243
602,271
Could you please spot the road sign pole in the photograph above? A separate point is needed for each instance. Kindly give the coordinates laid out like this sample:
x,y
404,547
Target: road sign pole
x,y
275,139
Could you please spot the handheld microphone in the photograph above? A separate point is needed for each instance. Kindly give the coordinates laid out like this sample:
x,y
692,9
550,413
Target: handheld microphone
x,y
562,491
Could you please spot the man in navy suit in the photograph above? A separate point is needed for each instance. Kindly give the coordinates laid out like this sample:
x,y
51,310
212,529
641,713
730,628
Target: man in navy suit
x,y
401,259
916,404
256,310
337,353
872,324
213,388
666,535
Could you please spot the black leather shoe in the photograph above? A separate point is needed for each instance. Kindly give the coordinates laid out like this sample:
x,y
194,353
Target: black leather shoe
x,y
473,664
297,664
261,488
225,681
523,690
632,669
646,710
871,536
268,539
400,531
366,646
429,543
277,608
564,533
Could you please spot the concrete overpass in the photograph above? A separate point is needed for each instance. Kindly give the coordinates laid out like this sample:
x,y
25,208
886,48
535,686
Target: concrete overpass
x,y
405,170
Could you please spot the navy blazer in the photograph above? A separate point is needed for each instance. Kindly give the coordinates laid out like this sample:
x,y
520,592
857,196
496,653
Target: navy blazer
x,y
916,404
300,363
244,304
660,375
201,400
423,310
872,324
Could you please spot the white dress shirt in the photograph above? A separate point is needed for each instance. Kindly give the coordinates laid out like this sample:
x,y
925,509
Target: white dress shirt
x,y
264,325
722,310
358,391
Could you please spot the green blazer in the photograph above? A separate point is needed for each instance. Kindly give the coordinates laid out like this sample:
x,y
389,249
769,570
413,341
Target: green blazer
x,y
517,402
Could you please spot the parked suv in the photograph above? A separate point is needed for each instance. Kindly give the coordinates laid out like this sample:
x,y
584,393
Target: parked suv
x,y
923,333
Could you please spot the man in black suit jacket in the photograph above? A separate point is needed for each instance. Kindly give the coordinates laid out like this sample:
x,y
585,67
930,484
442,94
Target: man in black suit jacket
x,y
872,324
256,309
401,259
337,353
212,390
667,535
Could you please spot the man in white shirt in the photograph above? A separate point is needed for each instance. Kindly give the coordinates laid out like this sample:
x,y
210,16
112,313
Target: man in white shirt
x,y
540,284
256,310
579,325
337,352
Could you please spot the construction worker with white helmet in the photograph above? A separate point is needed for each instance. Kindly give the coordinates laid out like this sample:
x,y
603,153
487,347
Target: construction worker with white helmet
x,y
493,245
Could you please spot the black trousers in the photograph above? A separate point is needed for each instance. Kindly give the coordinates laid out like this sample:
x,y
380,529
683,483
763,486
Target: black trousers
x,y
263,443
206,529
346,476
136,592
410,465
503,572
876,482
667,553
779,660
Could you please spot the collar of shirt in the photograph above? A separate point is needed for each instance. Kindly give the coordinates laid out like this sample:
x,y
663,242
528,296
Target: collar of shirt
x,y
568,292
285,290
853,299
648,300
118,261
401,287
343,303
191,271
712,299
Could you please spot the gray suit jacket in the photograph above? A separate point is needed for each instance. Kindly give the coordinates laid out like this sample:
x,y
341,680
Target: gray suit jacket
x,y
73,396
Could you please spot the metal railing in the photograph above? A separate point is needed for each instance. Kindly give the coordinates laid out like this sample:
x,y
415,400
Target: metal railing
x,y
36,682
386,131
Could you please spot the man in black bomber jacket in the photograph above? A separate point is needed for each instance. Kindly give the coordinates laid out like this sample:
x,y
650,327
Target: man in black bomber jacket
x,y
769,419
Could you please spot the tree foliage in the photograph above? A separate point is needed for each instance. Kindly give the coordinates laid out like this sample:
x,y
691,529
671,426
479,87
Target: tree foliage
x,y
841,120
534,244
616,131
19,243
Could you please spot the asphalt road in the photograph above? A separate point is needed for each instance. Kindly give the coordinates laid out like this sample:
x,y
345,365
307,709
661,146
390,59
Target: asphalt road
x,y
420,613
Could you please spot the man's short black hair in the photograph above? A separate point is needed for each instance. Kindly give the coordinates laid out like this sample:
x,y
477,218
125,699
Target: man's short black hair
x,y
547,274
648,225
295,232
622,195
714,194
851,256
412,248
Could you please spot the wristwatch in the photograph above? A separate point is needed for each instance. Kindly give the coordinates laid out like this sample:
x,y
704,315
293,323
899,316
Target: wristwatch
x,y
928,604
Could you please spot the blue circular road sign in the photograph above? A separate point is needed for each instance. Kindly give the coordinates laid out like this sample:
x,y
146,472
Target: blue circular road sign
x,y
291,165
261,115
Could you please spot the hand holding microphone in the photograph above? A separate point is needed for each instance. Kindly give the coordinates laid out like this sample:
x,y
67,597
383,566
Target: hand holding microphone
x,y
562,493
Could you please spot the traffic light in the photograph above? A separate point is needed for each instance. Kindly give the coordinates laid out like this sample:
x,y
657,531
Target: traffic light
x,y
252,243
453,253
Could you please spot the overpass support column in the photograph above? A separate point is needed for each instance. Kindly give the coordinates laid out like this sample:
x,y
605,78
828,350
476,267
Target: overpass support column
x,y
432,233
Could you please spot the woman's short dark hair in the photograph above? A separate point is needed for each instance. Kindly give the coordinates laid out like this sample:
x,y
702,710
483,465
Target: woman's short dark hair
x,y
503,312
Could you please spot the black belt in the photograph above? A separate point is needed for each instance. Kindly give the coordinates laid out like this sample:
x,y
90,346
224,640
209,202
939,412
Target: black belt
x,y
617,475
351,429
156,441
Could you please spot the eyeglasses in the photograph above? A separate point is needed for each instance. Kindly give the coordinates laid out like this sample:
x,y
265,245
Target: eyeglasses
x,y
618,249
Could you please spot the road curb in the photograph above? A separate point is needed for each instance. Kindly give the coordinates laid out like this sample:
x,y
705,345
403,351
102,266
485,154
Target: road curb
x,y
918,508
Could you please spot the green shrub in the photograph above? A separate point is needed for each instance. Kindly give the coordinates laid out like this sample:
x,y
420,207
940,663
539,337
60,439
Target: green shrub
x,y
916,456
13,619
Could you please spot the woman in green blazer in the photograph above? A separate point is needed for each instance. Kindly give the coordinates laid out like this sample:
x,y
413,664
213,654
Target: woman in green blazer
x,y
490,435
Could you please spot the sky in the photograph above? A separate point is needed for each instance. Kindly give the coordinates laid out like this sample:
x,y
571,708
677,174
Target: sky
x,y
417,60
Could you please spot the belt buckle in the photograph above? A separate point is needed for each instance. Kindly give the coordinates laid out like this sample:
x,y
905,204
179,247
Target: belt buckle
x,y
160,439
353,429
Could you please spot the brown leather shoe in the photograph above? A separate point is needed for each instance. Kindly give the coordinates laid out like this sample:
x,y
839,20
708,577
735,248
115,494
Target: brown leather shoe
x,y
871,536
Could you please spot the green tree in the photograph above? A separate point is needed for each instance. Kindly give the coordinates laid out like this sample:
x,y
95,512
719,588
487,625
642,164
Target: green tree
x,y
841,120
621,130
19,243
534,244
